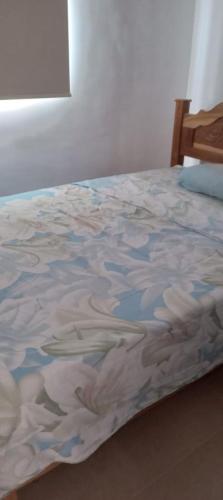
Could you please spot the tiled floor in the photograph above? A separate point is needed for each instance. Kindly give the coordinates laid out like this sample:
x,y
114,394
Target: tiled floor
x,y
173,453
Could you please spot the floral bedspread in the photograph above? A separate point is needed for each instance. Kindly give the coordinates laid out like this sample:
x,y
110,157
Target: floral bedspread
x,y
111,297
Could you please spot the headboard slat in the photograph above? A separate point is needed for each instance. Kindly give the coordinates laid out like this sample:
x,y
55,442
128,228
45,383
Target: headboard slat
x,y
204,118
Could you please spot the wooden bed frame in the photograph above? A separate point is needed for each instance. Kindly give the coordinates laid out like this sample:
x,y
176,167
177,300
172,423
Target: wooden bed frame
x,y
199,136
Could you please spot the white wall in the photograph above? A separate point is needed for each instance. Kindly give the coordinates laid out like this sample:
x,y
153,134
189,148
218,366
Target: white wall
x,y
205,86
129,59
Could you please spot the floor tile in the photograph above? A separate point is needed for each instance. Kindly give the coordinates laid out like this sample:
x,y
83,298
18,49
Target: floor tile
x,y
198,477
215,380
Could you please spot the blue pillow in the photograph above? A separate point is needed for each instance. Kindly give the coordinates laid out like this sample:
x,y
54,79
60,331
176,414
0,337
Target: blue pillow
x,y
205,179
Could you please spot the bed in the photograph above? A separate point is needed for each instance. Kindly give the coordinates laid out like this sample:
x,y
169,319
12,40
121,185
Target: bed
x,y
111,295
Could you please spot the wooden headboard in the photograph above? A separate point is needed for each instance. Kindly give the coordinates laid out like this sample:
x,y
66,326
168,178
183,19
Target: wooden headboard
x,y
198,136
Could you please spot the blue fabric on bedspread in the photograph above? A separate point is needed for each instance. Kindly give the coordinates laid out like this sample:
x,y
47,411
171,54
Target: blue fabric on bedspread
x,y
111,295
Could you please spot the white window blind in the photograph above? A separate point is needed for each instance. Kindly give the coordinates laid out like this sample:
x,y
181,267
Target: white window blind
x,y
34,54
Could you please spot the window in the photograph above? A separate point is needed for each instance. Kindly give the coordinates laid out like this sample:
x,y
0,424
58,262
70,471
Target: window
x,y
34,55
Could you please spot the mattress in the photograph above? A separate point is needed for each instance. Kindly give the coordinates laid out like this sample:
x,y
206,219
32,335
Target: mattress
x,y
111,298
